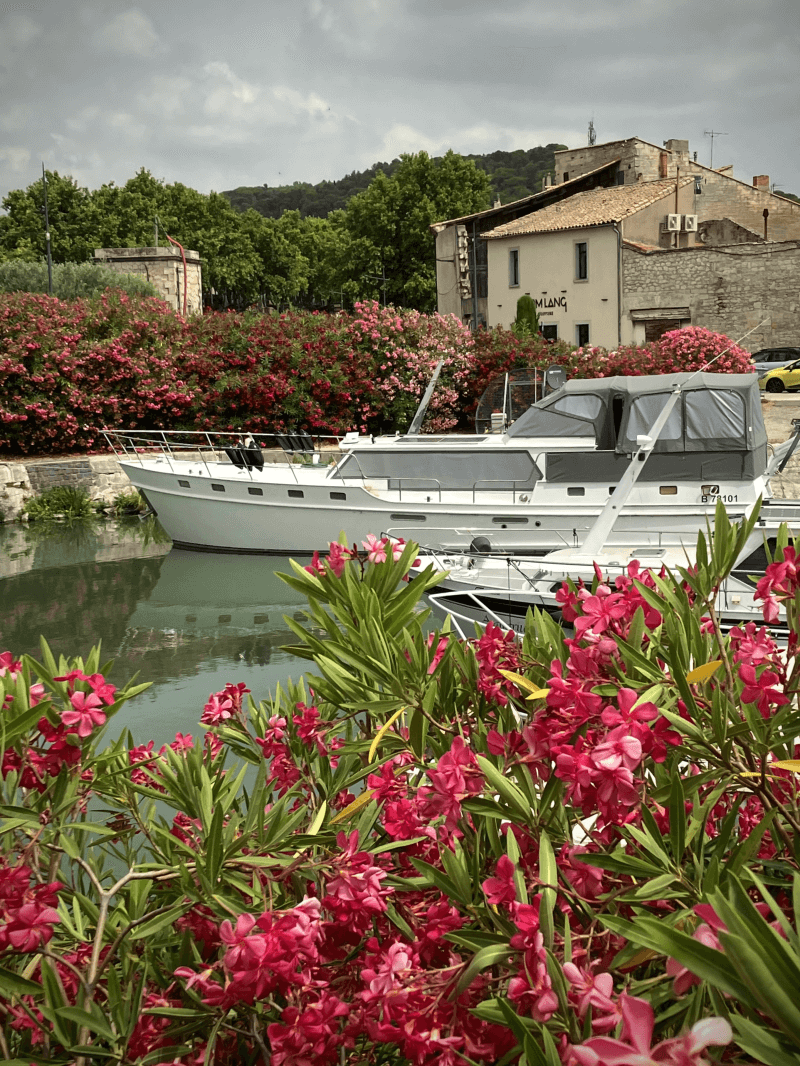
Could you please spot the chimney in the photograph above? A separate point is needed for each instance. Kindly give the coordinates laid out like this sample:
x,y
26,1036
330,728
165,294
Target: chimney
x,y
761,181
679,150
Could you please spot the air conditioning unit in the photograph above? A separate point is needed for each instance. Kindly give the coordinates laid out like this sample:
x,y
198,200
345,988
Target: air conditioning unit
x,y
673,223
690,223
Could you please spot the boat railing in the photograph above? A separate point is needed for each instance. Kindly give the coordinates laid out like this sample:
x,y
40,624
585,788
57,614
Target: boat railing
x,y
444,601
215,446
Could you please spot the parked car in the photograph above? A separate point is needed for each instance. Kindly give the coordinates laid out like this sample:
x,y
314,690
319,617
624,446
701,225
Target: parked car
x,y
782,379
771,358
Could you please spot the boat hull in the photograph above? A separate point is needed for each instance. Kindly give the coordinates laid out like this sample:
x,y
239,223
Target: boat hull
x,y
301,510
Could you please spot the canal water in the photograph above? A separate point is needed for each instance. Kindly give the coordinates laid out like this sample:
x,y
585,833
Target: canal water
x,y
189,622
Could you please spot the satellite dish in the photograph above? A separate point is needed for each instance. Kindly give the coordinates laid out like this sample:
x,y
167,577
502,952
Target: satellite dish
x,y
554,378
506,397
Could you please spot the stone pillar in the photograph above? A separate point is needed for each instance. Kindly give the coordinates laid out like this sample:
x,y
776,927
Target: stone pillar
x,y
163,268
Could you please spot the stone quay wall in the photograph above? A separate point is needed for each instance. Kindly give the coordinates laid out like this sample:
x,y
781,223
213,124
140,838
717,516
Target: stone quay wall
x,y
99,475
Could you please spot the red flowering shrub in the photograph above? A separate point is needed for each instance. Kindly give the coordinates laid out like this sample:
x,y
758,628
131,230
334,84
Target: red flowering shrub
x,y
571,850
69,368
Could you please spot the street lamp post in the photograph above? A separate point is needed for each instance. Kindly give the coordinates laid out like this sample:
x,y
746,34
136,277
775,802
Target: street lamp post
x,y
47,235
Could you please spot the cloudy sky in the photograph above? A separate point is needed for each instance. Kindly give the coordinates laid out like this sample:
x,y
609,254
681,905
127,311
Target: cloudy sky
x,y
258,92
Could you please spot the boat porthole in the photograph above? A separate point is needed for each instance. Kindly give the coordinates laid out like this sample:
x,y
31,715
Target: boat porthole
x,y
217,488
537,524
183,484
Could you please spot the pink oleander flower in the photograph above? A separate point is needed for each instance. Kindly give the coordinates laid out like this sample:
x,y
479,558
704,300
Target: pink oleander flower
x,y
595,991
338,557
317,566
375,549
634,1049
218,709
386,975
760,688
501,887
84,714
31,926
600,610
751,645
10,665
439,653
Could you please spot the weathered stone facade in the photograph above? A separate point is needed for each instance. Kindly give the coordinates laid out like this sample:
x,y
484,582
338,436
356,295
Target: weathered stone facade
x,y
638,160
99,475
163,268
730,289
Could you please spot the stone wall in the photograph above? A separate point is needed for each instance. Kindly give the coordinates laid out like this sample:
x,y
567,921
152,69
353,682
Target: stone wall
x,y
163,268
639,160
720,196
99,475
729,290
725,197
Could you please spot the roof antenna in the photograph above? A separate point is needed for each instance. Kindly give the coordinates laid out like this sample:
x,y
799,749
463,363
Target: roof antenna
x,y
712,134
592,134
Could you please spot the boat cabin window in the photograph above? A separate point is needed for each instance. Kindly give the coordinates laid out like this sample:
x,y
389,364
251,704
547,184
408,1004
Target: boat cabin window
x,y
646,409
442,469
715,411
580,406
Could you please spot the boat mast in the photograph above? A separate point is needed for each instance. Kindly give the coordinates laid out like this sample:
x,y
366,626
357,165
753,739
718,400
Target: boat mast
x,y
416,422
598,535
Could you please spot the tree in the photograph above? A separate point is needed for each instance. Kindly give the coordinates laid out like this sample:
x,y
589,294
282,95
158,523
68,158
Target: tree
x,y
72,221
394,216
282,271
526,324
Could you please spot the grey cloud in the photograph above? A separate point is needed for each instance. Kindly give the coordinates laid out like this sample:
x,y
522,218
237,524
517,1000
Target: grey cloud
x,y
279,90
130,33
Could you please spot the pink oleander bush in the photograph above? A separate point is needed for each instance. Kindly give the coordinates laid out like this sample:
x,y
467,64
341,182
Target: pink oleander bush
x,y
565,851
69,368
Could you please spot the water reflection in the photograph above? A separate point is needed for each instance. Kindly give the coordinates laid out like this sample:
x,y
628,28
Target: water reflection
x,y
187,621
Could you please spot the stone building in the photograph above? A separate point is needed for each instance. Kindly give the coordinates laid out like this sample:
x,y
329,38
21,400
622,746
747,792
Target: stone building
x,y
732,289
568,257
461,253
658,242
719,195
164,269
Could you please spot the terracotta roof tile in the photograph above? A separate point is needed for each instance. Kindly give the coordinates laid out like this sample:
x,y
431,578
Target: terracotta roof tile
x,y
532,197
596,207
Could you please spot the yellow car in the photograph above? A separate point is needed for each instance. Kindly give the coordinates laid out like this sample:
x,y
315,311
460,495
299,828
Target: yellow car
x,y
784,379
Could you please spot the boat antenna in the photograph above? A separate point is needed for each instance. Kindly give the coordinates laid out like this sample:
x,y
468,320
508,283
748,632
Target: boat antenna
x,y
416,422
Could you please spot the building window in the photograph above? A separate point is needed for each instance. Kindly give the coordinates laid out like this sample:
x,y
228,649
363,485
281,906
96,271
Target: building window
x,y
582,334
566,175
581,260
550,331
513,268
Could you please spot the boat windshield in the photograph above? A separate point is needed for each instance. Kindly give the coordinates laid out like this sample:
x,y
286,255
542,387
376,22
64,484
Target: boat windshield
x,y
446,469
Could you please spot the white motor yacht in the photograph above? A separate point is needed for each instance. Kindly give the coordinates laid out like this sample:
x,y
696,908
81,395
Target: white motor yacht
x,y
536,487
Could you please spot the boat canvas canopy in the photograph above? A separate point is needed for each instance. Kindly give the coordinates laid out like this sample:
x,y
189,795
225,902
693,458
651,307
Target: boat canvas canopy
x,y
716,413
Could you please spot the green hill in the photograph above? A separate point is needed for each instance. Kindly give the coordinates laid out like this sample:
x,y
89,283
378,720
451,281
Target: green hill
x,y
512,174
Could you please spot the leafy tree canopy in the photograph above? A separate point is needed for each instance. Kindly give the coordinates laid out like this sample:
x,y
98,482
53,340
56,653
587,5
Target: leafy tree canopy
x,y
376,243
512,176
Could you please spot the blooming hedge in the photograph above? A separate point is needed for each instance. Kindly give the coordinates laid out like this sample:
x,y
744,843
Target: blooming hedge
x,y
69,368
569,851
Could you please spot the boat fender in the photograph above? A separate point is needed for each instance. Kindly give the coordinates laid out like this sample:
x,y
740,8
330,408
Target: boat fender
x,y
252,454
482,545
